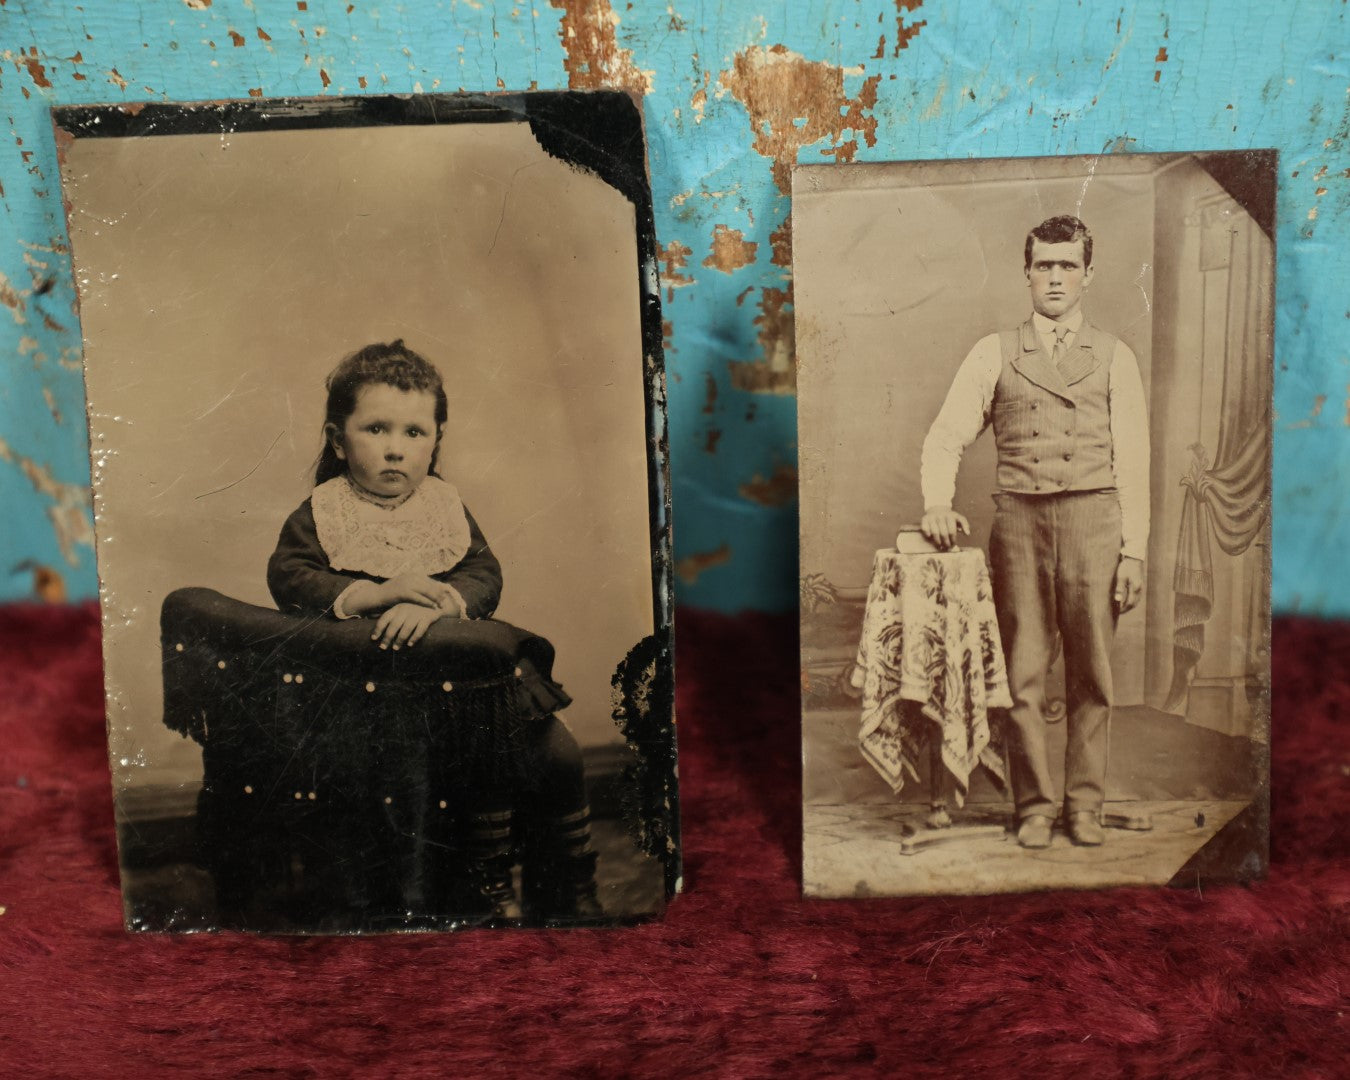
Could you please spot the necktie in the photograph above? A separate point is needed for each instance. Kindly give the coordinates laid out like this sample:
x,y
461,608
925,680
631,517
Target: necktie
x,y
1061,352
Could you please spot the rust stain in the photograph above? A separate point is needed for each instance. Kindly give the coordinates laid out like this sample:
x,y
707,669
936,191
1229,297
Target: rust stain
x,y
1318,402
36,71
781,239
675,257
730,250
52,407
132,108
198,5
255,91
48,584
1161,58
64,141
778,490
710,443
71,510
115,77
740,296
776,373
880,54
710,394
593,58
794,102
361,81
263,35
691,567
699,102
667,330
13,299
52,324
323,75
905,34
237,38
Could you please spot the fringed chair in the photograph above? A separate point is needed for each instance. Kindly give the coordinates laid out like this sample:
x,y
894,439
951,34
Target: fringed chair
x,y
340,779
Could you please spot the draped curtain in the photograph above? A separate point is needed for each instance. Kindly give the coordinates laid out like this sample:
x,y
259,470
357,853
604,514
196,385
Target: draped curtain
x,y
1228,501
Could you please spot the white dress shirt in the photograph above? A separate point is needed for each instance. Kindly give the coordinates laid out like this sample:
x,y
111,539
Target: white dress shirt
x,y
967,410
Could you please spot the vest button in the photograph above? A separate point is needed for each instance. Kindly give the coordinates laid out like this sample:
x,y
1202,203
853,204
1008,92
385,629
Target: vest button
x,y
1035,404
1067,457
1037,433
1035,461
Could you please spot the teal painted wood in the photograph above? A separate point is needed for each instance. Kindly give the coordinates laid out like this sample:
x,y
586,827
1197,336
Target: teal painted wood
x,y
734,92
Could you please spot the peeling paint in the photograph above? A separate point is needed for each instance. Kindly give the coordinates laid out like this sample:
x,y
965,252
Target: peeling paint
x,y
36,71
674,257
13,299
691,567
71,512
1311,419
730,250
594,59
777,490
781,241
795,102
776,373
905,34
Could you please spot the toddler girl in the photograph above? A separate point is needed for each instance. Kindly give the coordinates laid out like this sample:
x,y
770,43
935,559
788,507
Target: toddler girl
x,y
383,537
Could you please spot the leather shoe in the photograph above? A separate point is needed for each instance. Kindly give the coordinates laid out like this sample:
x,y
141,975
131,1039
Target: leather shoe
x,y
1034,831
1085,829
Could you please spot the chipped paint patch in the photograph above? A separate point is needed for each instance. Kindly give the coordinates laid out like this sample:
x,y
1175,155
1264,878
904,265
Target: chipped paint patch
x,y
906,33
48,586
691,567
674,257
71,512
594,60
781,241
730,250
52,407
776,373
1311,419
795,102
36,71
779,489
13,299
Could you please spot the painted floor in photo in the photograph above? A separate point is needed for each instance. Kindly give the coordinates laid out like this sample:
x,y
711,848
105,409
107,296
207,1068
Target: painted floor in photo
x,y
855,851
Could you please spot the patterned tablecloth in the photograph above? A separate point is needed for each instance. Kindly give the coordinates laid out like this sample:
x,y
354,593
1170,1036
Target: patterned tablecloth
x,y
930,637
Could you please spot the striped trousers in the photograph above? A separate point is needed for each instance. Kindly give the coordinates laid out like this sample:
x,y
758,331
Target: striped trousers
x,y
1053,561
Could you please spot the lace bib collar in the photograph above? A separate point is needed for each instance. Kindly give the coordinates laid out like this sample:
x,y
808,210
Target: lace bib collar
x,y
426,533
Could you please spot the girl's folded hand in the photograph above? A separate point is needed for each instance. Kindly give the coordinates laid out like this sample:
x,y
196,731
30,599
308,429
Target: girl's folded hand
x,y
414,589
403,624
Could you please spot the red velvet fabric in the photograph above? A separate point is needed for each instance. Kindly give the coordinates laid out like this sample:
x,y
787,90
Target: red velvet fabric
x,y
742,979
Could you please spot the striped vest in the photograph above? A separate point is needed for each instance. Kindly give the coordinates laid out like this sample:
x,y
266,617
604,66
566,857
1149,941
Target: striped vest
x,y
1053,429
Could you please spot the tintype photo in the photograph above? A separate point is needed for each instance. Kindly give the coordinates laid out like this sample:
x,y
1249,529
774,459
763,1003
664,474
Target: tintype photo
x,y
377,425
1035,435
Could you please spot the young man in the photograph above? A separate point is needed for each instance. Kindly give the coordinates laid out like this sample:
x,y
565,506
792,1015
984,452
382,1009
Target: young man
x,y
1069,537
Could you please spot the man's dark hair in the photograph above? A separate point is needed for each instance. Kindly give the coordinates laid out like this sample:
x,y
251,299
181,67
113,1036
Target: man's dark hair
x,y
1062,229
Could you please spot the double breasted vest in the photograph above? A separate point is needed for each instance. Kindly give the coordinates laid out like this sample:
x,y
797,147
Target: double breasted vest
x,y
1052,424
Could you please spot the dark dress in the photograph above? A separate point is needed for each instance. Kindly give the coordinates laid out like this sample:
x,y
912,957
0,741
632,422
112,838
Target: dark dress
x,y
356,764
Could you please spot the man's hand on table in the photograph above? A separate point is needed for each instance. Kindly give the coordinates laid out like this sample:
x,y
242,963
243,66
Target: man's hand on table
x,y
942,525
